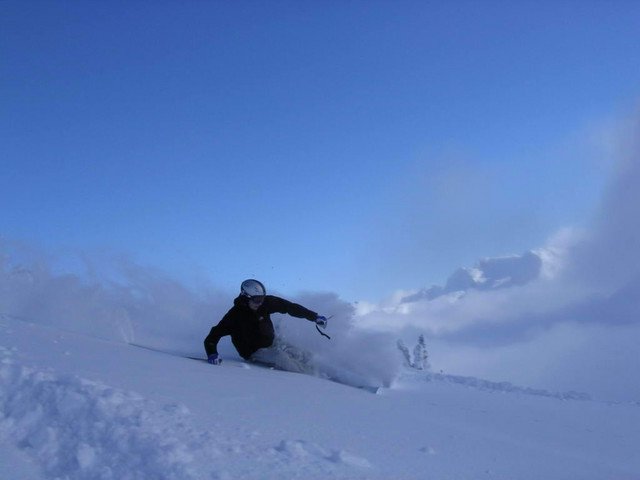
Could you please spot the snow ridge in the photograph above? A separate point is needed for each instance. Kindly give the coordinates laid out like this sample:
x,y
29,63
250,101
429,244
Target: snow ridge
x,y
79,429
498,387
84,429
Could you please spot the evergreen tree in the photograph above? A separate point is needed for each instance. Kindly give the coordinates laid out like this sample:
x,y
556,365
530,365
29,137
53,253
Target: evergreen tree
x,y
405,353
420,355
420,360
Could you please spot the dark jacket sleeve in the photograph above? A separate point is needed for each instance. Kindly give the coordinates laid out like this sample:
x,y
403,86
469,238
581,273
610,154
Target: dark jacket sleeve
x,y
280,305
221,330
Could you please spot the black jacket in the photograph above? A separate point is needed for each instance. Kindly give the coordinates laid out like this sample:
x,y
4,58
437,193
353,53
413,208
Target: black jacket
x,y
243,323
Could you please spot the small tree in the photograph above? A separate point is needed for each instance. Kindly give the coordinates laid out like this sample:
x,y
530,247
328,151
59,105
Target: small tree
x,y
405,353
420,355
420,360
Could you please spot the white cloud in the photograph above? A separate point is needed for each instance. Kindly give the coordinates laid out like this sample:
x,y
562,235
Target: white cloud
x,y
568,312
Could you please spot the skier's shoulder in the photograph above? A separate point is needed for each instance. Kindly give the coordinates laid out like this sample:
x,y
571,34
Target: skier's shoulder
x,y
275,303
273,298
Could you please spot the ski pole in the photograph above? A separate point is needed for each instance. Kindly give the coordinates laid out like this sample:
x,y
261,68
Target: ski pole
x,y
321,332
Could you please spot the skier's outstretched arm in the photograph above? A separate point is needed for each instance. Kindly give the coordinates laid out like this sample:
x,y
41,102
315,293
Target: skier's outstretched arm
x,y
280,305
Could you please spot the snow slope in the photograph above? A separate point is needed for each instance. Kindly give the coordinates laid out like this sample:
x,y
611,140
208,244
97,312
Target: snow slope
x,y
77,407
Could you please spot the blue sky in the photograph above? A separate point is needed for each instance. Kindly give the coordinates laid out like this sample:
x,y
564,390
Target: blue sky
x,y
356,147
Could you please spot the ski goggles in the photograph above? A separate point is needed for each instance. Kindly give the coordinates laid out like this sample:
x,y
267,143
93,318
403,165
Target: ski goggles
x,y
256,299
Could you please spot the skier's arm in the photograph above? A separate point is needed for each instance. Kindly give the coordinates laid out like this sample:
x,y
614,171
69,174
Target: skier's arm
x,y
280,305
221,330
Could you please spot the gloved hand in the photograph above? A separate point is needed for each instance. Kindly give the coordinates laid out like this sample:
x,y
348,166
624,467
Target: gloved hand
x,y
321,321
214,359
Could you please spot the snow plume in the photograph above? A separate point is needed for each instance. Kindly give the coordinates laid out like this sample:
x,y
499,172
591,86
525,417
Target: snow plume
x,y
353,355
121,301
117,299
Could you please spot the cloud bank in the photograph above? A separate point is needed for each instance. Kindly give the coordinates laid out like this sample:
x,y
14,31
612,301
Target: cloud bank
x,y
566,315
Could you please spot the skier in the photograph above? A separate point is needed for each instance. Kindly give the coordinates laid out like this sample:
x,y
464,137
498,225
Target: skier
x,y
249,322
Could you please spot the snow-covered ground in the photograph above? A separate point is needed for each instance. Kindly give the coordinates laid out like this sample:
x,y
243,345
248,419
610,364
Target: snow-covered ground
x,y
77,407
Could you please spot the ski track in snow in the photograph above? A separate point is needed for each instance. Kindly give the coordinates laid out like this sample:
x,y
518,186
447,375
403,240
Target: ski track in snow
x,y
80,429
489,386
